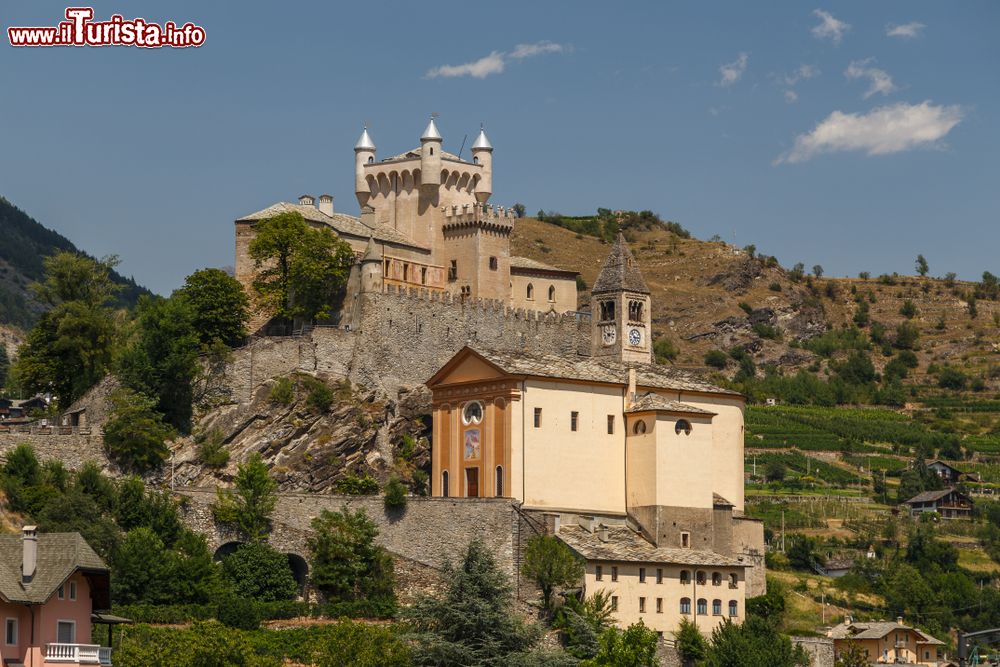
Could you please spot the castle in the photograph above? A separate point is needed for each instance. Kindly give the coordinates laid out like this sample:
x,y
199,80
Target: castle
x,y
426,224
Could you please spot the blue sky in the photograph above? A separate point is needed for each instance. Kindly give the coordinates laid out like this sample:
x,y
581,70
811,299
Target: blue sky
x,y
850,134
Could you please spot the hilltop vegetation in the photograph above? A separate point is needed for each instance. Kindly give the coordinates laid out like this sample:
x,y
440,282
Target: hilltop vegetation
x,y
24,245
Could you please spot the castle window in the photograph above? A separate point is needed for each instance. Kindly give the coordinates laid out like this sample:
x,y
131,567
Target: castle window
x,y
732,608
475,160
699,578
432,150
716,579
423,275
444,483
493,263
473,413
614,603
607,310
642,605
538,417
716,607
635,311
499,482
659,575
614,573
611,424
685,577
642,575
686,541
639,428
734,580
531,291
574,420
371,159
406,273
682,426
552,292
453,270
466,291
685,605
659,605
598,573
702,607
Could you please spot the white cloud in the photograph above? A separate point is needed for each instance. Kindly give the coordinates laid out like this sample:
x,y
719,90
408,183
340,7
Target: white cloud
x,y
905,30
803,73
880,80
732,72
495,62
536,49
881,131
829,27
791,96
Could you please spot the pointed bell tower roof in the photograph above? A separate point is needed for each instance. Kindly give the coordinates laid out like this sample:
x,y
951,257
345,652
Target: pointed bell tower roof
x,y
482,143
621,272
431,133
365,143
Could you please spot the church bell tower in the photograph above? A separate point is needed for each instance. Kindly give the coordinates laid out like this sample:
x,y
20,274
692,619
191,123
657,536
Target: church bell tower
x,y
620,309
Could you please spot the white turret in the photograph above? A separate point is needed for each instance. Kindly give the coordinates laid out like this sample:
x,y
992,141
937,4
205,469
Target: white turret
x,y
430,157
364,153
482,154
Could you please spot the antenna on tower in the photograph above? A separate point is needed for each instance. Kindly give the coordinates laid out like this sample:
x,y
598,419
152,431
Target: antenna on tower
x,y
463,146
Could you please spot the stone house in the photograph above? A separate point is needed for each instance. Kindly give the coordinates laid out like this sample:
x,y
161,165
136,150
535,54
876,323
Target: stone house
x,y
53,587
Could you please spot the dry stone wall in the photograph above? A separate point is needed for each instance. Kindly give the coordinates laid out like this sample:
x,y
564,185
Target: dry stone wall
x,y
71,445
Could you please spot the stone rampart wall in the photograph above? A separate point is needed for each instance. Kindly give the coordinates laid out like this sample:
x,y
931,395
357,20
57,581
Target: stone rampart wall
x,y
72,446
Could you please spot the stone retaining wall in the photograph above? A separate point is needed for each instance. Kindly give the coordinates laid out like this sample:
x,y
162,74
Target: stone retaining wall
x,y
72,446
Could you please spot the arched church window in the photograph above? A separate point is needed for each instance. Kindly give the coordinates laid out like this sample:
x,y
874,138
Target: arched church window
x,y
371,159
472,413
640,427
531,291
635,311
682,426
552,292
607,310
475,160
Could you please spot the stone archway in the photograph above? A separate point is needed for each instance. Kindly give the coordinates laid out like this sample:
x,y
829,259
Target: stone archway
x,y
300,570
226,549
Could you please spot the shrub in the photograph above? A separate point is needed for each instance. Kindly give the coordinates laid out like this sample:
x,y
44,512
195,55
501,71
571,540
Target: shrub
x,y
238,613
211,450
745,307
320,396
347,564
357,485
908,310
665,350
774,287
715,359
135,435
395,495
283,392
260,572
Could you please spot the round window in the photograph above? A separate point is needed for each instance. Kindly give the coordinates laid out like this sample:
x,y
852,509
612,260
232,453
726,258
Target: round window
x,y
639,428
682,426
473,412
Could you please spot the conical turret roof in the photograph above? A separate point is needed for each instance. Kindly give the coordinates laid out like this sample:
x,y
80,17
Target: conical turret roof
x,y
372,253
365,142
482,142
621,271
431,132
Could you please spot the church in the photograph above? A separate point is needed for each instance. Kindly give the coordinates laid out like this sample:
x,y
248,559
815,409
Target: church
x,y
426,224
636,466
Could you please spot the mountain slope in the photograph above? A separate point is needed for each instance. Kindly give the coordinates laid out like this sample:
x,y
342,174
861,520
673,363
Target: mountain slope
x,y
24,244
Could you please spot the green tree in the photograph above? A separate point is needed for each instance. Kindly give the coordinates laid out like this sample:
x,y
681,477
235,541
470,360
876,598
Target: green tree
x,y
4,366
691,644
818,271
472,621
550,564
353,644
300,268
907,336
854,655
135,435
716,359
135,507
908,309
220,307
582,621
922,265
634,646
775,471
142,569
71,346
249,505
347,564
754,642
519,209
162,359
260,572
665,350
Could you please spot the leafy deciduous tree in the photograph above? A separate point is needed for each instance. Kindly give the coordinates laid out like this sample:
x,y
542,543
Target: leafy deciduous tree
x,y
551,564
249,505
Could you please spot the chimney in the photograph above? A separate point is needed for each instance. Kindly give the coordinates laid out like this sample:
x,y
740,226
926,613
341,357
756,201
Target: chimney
x,y
326,204
899,620
602,533
631,388
306,200
29,550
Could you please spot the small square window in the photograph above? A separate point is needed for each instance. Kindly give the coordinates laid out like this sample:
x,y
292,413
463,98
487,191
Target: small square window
x,y
685,540
599,573
611,424
574,420
614,573
538,417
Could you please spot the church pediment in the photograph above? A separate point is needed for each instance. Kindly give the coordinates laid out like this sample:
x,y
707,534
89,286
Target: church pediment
x,y
466,366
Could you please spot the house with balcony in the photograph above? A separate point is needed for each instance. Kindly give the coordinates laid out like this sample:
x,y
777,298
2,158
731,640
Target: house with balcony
x,y
948,503
886,642
53,588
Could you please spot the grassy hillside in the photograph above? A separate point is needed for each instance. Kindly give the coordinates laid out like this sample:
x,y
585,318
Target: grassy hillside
x,y
24,244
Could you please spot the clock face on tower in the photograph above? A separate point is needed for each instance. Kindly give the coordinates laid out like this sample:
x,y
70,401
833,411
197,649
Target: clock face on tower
x,y
634,337
609,335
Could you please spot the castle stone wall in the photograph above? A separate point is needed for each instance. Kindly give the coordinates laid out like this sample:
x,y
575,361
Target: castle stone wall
x,y
73,446
820,650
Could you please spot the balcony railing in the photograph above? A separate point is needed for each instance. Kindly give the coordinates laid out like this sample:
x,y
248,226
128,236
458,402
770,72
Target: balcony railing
x,y
80,654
